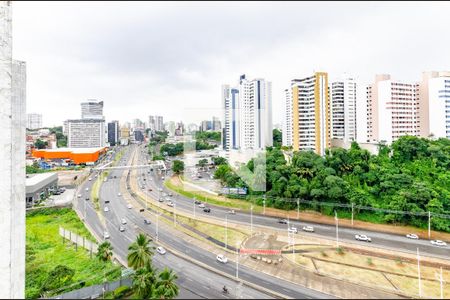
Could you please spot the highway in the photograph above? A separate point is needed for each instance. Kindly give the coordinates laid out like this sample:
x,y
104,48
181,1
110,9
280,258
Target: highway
x,y
381,240
195,282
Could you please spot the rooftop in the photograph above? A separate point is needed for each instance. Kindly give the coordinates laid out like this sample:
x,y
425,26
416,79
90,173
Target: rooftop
x,y
75,150
35,179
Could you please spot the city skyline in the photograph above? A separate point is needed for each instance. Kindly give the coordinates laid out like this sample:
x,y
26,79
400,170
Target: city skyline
x,y
157,79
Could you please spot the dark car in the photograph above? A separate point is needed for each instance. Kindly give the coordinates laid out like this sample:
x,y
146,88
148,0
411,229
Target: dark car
x,y
282,221
197,202
87,198
207,209
147,221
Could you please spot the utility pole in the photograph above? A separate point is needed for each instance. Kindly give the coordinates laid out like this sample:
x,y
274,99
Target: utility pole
x,y
157,225
418,272
429,225
264,205
174,214
442,289
298,209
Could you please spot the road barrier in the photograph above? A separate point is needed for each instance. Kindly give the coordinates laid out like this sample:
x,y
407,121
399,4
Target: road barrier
x,y
260,251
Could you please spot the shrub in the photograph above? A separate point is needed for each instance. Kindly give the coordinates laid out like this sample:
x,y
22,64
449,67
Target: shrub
x,y
369,261
121,292
323,253
339,251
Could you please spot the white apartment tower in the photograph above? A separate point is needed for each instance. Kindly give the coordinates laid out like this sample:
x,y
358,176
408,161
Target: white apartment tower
x,y
392,109
343,109
307,116
12,166
434,104
159,123
34,121
248,115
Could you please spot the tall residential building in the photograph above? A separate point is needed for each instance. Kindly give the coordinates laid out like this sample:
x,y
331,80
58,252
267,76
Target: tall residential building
x,y
86,133
216,124
343,109
113,133
434,104
151,123
12,166
308,114
248,114
392,109
286,133
92,109
206,125
159,123
34,121
138,124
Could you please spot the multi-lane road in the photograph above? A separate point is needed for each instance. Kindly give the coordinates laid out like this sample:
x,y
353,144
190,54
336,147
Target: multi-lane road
x,y
195,281
379,239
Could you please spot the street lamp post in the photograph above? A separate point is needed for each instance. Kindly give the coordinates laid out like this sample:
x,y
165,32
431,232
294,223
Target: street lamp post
x,y
157,225
298,209
337,228
251,220
418,272
237,259
352,214
429,225
226,231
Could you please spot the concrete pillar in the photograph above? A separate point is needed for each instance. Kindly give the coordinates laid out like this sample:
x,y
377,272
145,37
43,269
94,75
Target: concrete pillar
x,y
12,164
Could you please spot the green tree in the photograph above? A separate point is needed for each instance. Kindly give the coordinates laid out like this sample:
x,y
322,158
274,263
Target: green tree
x,y
144,283
202,162
178,166
59,277
140,252
277,138
104,251
40,144
166,287
218,160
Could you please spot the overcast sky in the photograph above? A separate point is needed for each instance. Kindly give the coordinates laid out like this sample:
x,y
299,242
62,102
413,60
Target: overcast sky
x,y
170,59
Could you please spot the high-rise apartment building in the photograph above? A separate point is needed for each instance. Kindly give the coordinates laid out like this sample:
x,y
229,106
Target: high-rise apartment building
x,y
12,166
216,124
151,123
159,123
248,115
92,109
113,133
343,109
434,104
34,121
392,109
308,122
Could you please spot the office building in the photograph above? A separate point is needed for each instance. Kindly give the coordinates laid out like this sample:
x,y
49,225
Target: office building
x,y
343,109
206,125
392,109
152,123
434,105
12,167
113,133
248,114
92,109
34,121
307,114
86,133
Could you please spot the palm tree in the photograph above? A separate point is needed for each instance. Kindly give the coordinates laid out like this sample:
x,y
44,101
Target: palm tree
x,y
143,283
165,286
104,251
140,253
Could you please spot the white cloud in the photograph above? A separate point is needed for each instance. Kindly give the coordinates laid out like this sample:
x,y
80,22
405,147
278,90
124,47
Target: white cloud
x,y
146,58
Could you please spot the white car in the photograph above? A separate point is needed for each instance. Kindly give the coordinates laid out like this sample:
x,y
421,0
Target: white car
x,y
221,258
90,179
87,189
161,250
106,235
129,206
202,205
231,212
308,228
106,179
119,194
106,209
412,236
79,195
123,221
170,203
121,228
292,230
438,243
160,189
363,238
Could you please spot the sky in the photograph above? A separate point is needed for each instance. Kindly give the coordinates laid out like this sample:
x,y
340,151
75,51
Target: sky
x,y
171,58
